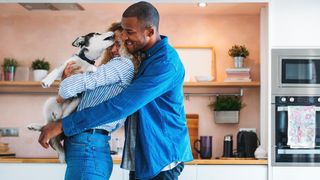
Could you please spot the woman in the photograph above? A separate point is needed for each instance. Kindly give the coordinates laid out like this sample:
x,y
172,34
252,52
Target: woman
x,y
88,153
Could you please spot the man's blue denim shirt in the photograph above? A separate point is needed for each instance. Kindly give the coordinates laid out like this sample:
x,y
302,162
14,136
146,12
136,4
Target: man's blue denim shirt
x,y
157,94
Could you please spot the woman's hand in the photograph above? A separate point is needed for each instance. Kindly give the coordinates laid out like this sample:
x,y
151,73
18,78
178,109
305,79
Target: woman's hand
x,y
71,68
60,100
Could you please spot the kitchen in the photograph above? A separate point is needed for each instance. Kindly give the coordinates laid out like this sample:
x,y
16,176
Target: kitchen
x,y
221,31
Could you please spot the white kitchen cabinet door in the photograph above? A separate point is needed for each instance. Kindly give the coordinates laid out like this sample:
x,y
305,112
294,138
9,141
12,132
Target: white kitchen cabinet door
x,y
118,173
189,173
32,171
295,173
231,172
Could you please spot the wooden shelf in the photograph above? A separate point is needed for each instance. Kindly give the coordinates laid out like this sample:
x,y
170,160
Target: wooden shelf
x,y
222,84
26,87
32,87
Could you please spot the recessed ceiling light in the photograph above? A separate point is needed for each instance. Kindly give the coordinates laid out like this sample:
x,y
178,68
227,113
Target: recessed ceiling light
x,y
202,4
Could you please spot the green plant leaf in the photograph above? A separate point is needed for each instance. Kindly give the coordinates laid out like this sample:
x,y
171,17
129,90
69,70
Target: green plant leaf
x,y
40,64
227,103
238,50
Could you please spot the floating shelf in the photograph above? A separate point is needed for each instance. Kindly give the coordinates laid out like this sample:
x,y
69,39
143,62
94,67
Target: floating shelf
x,y
28,87
35,87
222,84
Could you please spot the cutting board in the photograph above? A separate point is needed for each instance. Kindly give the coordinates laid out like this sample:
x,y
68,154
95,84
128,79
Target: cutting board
x,y
193,125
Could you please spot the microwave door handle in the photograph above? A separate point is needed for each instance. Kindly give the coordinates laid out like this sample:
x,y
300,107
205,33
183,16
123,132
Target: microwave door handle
x,y
285,108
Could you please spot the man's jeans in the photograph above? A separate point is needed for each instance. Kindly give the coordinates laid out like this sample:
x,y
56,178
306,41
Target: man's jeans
x,y
171,174
88,157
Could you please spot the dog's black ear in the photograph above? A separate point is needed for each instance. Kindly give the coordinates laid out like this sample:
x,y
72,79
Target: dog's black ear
x,y
79,42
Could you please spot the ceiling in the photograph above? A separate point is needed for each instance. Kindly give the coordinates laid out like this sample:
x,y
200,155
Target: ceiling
x,y
163,8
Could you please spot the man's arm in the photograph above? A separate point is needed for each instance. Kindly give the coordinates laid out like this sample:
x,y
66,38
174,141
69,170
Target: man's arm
x,y
109,73
157,80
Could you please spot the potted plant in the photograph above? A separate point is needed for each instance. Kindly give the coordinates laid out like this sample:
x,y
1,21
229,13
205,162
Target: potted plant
x,y
239,53
226,109
40,69
9,68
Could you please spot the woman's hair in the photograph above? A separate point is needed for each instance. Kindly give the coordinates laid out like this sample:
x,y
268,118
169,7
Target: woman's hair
x,y
136,60
107,56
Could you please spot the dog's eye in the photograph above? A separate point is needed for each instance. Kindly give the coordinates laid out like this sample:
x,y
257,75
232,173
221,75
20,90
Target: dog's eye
x,y
98,34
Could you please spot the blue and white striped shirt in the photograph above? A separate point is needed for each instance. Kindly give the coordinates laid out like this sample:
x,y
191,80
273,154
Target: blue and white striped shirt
x,y
109,80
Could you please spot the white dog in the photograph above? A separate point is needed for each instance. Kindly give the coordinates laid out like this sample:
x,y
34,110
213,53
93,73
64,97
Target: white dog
x,y
91,47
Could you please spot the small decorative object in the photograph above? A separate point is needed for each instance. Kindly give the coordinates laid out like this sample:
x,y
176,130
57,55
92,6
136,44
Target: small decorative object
x,y
239,53
9,68
40,69
203,78
226,109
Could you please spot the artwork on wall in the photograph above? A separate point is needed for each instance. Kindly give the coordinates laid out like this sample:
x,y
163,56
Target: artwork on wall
x,y
198,62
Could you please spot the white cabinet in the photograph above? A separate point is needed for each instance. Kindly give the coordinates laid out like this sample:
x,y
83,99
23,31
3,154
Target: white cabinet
x,y
34,171
231,172
189,173
224,172
54,171
295,173
117,173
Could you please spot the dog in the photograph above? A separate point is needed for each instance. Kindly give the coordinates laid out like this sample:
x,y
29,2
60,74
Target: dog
x,y
91,47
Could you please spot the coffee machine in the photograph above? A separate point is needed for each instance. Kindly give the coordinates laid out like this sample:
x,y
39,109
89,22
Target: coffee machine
x,y
227,146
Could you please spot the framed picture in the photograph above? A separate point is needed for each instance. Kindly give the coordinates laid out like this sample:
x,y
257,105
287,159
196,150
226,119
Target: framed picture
x,y
198,61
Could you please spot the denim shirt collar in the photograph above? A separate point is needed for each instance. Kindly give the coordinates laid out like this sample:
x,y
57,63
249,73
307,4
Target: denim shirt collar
x,y
147,55
150,52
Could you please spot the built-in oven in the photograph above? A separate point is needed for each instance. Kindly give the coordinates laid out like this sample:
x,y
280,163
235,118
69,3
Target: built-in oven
x,y
293,70
295,86
282,153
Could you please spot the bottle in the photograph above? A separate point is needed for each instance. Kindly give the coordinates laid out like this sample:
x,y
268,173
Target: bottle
x,y
227,146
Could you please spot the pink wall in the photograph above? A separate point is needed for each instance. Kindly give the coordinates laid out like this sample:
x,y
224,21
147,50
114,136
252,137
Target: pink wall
x,y
30,35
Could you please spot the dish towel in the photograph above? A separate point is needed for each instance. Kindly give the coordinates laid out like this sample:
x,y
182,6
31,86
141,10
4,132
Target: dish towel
x,y
301,126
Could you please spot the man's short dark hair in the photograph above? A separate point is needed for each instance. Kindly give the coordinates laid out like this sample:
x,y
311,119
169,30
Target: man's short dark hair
x,y
145,12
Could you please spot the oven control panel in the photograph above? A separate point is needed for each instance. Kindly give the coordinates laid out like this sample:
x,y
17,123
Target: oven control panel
x,y
298,100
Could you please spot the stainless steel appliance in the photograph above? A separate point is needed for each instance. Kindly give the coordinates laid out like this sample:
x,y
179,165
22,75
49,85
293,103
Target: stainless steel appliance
x,y
294,70
295,82
282,154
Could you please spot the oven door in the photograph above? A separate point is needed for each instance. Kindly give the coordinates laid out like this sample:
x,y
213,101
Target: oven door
x,y
282,154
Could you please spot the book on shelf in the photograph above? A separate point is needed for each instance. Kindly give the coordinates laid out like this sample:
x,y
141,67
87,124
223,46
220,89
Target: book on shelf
x,y
237,70
237,79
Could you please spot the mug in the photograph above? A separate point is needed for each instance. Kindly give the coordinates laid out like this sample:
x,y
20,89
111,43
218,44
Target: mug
x,y
205,147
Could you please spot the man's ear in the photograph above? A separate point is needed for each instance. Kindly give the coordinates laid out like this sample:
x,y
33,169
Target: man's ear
x,y
78,42
150,32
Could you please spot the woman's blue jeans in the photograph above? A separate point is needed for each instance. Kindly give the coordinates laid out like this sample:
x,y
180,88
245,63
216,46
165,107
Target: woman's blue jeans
x,y
88,157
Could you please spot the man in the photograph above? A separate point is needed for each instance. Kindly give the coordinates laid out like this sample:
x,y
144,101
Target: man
x,y
162,141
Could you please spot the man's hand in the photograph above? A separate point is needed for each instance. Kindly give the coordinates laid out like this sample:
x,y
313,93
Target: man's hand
x,y
71,68
49,131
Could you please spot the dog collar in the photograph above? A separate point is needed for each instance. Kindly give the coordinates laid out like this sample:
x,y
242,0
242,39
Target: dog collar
x,y
83,57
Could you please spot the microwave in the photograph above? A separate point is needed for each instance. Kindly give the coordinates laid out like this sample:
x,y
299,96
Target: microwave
x,y
295,71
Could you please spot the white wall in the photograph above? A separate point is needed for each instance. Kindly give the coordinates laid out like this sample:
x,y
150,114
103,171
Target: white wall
x,y
294,23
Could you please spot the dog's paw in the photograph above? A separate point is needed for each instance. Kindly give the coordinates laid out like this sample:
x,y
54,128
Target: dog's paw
x,y
34,127
45,84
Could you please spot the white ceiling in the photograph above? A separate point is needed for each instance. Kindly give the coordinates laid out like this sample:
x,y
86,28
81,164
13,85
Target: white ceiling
x,y
164,8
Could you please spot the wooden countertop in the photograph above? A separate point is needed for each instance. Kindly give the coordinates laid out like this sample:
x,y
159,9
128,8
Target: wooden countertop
x,y
118,160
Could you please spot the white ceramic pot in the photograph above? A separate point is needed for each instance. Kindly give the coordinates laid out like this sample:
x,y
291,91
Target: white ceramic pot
x,y
226,116
39,74
238,62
